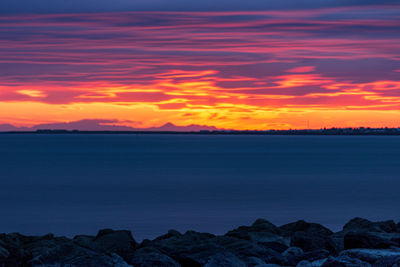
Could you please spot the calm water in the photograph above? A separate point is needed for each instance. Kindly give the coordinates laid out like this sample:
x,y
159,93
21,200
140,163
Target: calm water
x,y
74,184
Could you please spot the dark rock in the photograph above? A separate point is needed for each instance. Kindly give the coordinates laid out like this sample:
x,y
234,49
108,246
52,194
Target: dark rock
x,y
387,262
86,241
366,240
293,251
396,240
344,261
293,255
225,260
16,244
277,246
189,249
120,242
302,226
267,265
190,262
3,253
246,250
364,225
304,263
310,242
171,233
296,257
315,255
151,258
261,225
62,251
370,255
260,231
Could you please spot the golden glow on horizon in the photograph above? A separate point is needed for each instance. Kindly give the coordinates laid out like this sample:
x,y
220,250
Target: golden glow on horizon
x,y
232,70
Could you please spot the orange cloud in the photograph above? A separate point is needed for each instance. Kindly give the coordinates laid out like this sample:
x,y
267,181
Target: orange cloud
x,y
242,70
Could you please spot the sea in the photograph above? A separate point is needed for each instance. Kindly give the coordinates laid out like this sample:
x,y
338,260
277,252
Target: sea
x,y
70,184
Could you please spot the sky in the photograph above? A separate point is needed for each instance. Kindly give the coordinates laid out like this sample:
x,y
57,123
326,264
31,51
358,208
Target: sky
x,y
229,64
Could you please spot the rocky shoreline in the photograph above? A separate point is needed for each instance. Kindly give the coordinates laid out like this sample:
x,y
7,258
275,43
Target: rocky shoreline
x,y
302,244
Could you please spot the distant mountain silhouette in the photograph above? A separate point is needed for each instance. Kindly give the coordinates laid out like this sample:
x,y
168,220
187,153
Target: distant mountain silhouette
x,y
170,127
10,128
105,125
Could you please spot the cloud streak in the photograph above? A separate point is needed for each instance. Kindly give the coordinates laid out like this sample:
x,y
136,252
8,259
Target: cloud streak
x,y
232,69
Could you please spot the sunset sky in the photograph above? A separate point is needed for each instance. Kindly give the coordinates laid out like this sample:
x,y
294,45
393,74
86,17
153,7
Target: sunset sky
x,y
259,65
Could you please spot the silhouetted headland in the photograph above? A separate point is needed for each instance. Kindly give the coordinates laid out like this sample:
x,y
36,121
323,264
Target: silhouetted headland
x,y
330,131
360,243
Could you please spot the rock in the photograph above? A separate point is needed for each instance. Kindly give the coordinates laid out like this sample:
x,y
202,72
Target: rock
x,y
261,225
388,262
267,265
344,261
315,255
68,254
366,240
293,255
171,233
310,242
151,258
246,250
364,225
302,226
311,256
85,241
225,260
304,263
17,246
120,242
293,251
4,253
370,255
189,249
277,246
260,231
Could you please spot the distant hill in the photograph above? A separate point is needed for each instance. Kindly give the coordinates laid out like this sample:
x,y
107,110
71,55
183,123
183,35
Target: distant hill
x,y
9,128
105,125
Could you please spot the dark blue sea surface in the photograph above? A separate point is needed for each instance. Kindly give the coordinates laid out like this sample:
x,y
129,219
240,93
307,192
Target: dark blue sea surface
x,y
77,184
